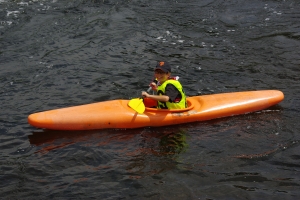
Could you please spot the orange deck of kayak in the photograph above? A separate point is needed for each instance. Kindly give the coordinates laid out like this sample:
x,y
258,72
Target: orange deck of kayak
x,y
117,113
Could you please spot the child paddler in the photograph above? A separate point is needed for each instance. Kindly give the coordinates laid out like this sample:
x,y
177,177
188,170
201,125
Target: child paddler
x,y
170,94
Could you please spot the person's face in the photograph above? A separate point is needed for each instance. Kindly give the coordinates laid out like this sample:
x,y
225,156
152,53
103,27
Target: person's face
x,y
161,76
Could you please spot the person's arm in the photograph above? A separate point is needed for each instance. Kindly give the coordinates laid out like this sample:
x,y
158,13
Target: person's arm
x,y
161,98
173,93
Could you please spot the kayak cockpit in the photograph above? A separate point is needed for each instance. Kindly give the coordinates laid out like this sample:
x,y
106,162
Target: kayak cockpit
x,y
151,104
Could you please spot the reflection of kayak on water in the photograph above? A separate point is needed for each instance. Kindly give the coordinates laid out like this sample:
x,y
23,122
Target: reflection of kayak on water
x,y
117,113
172,140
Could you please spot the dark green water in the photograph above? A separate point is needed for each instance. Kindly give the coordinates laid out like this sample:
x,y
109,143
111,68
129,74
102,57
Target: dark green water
x,y
55,54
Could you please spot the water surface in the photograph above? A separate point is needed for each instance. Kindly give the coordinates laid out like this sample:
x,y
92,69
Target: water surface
x,y
55,54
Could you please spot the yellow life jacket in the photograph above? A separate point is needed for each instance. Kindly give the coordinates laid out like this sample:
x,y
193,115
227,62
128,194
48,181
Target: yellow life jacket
x,y
161,90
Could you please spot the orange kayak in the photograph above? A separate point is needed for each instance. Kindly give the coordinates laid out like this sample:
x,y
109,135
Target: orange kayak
x,y
117,113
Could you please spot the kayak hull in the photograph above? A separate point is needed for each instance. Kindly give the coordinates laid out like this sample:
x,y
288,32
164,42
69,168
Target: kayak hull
x,y
117,113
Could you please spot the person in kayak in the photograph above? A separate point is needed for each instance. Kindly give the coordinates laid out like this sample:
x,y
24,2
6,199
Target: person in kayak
x,y
170,94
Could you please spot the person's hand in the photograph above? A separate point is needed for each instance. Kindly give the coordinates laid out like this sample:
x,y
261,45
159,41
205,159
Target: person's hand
x,y
144,94
153,86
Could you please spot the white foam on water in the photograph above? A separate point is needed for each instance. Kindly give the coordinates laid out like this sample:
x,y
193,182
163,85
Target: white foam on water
x,y
5,23
12,13
23,4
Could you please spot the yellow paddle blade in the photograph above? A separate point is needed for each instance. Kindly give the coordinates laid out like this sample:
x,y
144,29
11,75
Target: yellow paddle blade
x,y
137,105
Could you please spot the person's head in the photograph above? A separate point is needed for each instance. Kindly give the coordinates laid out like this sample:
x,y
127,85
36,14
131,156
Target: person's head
x,y
162,71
